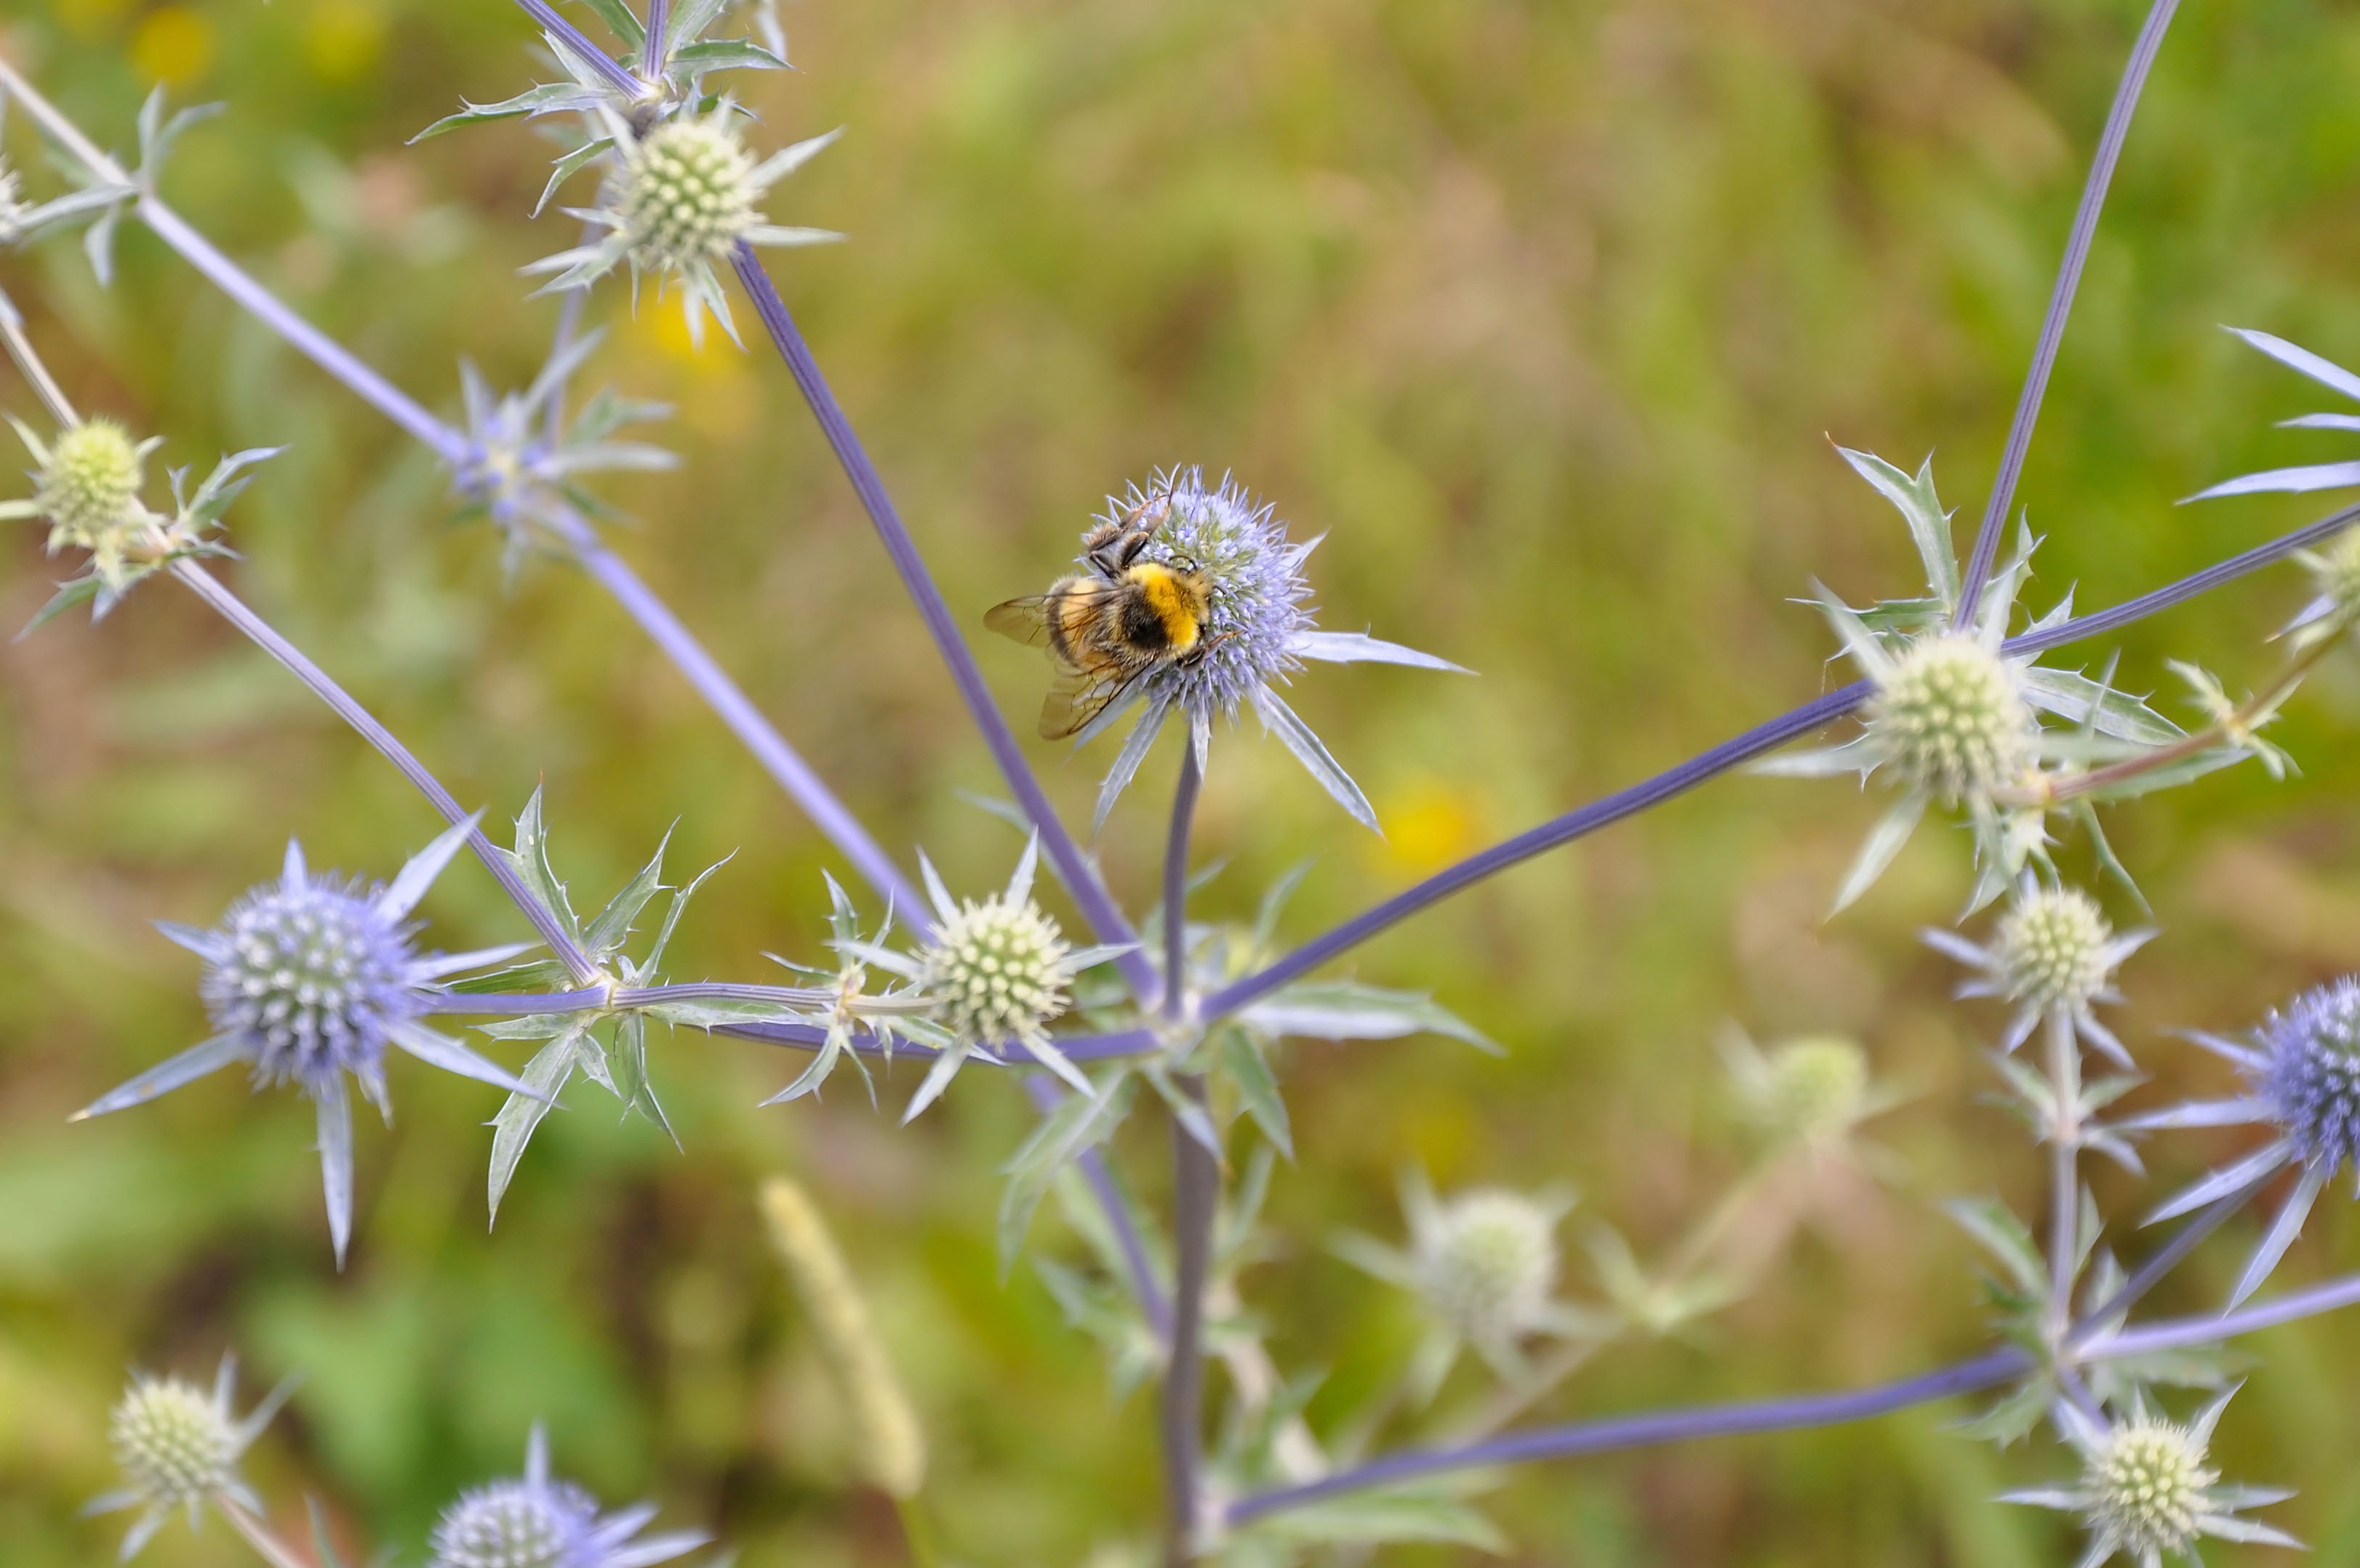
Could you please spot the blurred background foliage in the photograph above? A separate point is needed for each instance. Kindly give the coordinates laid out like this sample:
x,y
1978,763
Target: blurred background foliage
x,y
1542,311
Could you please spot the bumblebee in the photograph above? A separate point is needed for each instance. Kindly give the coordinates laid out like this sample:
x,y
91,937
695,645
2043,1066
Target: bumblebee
x,y
1110,626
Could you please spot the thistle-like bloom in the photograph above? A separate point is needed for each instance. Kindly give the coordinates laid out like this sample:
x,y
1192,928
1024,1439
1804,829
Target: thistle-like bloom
x,y
1258,630
524,473
2147,1491
2303,1080
533,1521
1815,1091
87,488
310,978
177,1445
1483,1268
996,971
2053,955
678,202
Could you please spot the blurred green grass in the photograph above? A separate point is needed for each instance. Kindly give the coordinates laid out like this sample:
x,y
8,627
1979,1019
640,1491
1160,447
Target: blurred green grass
x,y
1541,311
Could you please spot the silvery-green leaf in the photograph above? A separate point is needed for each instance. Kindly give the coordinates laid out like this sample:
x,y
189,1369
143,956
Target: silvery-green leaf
x,y
2321,422
1348,647
1379,1517
788,235
2016,1415
1134,751
2004,1235
2076,697
627,1061
513,1126
1929,526
565,168
680,898
1347,1009
2326,371
1878,851
2209,760
1257,1090
542,975
533,1026
619,21
716,1015
725,54
544,98
613,923
1281,720
530,860
71,593
1999,594
689,19
98,244
1078,1123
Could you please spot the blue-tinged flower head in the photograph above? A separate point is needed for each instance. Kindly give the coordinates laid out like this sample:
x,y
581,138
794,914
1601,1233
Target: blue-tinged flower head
x,y
310,978
533,1521
2148,1489
312,974
1257,595
177,1446
2308,1075
1258,628
2301,1068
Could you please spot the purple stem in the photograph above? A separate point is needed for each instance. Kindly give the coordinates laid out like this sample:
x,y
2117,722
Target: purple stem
x,y
1181,1410
1046,1093
571,37
2177,1332
1080,877
2060,305
1719,759
1175,885
1661,1426
651,55
233,609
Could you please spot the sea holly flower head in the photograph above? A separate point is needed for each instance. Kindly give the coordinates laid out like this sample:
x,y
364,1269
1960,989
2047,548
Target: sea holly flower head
x,y
1950,719
177,1446
2052,954
1955,720
534,1521
87,483
307,980
524,470
679,200
2148,1491
2301,1068
1258,629
996,971
1814,1091
1483,1267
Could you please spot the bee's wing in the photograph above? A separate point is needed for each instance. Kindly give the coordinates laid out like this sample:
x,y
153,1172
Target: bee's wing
x,y
1079,695
1025,619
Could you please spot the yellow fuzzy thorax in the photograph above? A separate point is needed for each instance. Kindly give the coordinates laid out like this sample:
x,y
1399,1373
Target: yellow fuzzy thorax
x,y
1179,602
